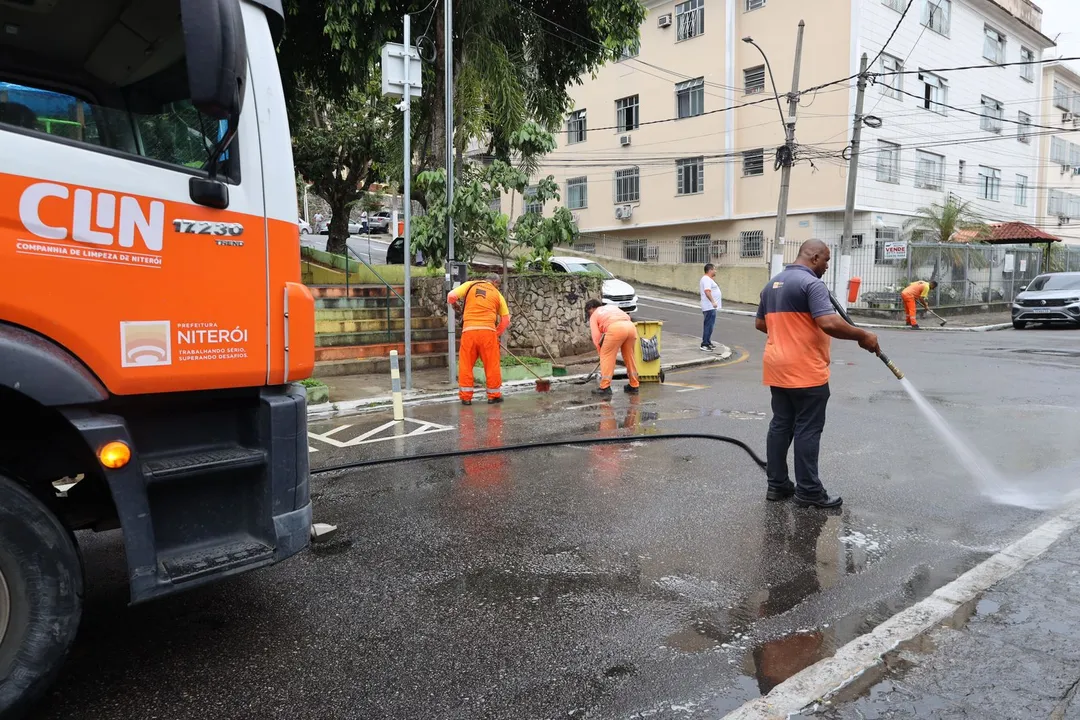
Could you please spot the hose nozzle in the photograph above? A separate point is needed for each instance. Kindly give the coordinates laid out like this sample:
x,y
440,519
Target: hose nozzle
x,y
892,368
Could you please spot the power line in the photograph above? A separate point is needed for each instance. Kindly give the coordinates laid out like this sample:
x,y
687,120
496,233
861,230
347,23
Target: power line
x,y
891,35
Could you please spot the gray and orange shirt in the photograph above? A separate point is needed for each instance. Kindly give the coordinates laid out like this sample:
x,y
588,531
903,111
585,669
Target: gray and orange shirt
x,y
797,351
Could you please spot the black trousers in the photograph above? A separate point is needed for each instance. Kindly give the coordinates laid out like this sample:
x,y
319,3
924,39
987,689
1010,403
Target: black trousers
x,y
799,415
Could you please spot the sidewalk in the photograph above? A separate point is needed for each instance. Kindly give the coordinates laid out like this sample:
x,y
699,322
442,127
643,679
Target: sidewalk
x,y
349,393
980,322
1017,657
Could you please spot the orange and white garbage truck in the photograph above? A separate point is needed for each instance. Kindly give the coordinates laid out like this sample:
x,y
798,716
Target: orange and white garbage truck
x,y
152,318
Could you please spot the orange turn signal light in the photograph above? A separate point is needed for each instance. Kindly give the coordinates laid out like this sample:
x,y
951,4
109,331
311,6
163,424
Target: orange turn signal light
x,y
114,455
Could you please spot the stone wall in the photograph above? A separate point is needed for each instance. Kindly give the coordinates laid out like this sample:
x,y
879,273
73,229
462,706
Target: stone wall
x,y
544,310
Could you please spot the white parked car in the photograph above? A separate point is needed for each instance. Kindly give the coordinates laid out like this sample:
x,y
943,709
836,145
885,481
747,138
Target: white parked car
x,y
615,291
305,229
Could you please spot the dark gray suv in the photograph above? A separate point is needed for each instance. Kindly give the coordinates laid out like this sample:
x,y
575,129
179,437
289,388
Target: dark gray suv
x,y
1049,298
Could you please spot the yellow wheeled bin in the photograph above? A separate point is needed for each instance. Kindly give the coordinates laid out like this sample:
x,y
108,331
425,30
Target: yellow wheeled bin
x,y
647,350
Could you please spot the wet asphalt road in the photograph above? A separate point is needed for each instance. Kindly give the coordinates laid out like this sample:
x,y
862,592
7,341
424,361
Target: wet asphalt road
x,y
644,580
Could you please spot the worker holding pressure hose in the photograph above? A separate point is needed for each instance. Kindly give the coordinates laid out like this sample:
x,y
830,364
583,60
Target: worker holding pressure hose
x,y
797,314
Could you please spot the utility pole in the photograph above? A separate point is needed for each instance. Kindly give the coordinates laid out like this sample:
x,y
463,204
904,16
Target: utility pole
x,y
448,86
843,274
407,254
788,160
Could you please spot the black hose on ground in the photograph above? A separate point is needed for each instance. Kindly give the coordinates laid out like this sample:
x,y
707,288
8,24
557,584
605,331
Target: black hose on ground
x,y
542,444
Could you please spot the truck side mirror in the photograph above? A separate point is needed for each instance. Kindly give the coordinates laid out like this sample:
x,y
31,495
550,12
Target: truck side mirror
x,y
216,51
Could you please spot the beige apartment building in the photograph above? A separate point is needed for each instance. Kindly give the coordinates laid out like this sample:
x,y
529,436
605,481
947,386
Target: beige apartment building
x,y
1058,206
669,155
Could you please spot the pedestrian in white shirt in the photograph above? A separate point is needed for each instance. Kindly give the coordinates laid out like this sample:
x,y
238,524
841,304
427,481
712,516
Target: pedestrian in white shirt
x,y
710,302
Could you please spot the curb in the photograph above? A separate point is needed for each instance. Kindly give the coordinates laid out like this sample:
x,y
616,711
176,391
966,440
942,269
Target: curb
x,y
871,326
861,663
325,411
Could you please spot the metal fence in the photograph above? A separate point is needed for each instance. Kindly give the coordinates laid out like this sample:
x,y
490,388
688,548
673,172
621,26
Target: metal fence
x,y
967,275
749,249
1065,258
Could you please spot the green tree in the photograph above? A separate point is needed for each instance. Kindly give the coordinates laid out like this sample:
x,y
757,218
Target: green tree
x,y
513,60
940,223
341,145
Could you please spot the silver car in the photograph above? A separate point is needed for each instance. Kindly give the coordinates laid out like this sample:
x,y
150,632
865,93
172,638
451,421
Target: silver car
x,y
1049,298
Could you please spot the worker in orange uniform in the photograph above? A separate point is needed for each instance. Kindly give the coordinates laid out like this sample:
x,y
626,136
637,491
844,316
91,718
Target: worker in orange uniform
x,y
918,290
612,330
484,319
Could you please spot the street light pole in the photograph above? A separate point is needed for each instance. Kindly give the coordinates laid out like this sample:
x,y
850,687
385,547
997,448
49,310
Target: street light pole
x,y
448,86
843,273
407,160
787,153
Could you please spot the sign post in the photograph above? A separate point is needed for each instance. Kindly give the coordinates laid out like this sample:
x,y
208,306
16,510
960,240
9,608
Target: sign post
x,y
402,79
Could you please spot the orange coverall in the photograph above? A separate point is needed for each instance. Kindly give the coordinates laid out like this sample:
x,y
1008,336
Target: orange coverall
x,y
918,289
484,319
618,332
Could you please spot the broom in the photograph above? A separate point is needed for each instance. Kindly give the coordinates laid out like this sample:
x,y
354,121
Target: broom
x,y
542,384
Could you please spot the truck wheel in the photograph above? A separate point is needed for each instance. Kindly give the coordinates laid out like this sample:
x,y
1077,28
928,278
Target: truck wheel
x,y
40,597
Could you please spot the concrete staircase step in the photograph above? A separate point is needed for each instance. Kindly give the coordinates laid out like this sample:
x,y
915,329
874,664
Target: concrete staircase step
x,y
377,336
354,352
360,314
357,326
354,291
360,303
367,366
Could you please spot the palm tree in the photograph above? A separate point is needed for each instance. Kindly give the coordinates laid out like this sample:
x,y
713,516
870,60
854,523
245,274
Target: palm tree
x,y
940,224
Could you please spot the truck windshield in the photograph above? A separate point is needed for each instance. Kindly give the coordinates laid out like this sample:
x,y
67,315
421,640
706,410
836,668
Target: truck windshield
x,y
1055,282
124,86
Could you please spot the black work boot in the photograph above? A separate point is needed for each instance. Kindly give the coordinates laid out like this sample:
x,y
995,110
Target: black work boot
x,y
602,393
780,494
466,402
495,400
631,390
822,501
914,327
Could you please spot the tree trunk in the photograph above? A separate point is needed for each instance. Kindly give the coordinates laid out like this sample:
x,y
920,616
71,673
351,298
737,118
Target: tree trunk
x,y
339,226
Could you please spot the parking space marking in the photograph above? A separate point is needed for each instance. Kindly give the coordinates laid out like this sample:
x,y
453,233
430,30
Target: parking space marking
x,y
391,430
687,387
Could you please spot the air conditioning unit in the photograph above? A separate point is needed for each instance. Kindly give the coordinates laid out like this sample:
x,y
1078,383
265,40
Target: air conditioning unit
x,y
623,212
624,140
1063,220
1065,169
1068,117
664,21
576,217
1076,171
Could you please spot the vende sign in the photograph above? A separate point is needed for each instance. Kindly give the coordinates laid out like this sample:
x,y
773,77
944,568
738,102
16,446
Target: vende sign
x,y
894,250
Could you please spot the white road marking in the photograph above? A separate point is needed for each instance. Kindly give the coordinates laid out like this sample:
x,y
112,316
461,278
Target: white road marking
x,y
387,431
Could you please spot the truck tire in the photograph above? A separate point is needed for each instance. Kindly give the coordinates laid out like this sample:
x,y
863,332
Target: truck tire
x,y
41,590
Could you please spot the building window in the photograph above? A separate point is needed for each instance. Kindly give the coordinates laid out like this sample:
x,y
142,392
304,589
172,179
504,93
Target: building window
x,y
1062,96
993,45
753,163
936,15
992,113
897,5
888,162
1074,155
1021,190
1059,151
752,244
636,250
935,92
577,193
627,185
630,50
754,5
882,236
690,97
696,249
929,170
1054,203
690,174
1027,71
989,183
626,113
960,172
892,84
754,80
495,203
532,205
575,127
1023,127
689,19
